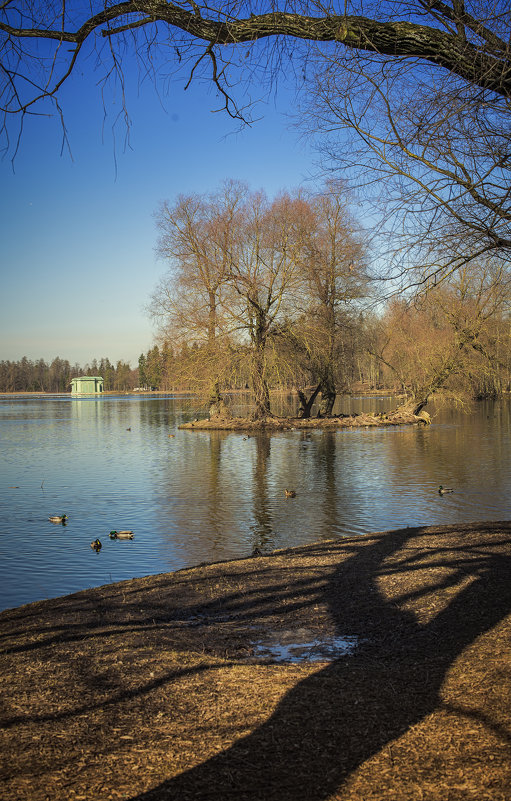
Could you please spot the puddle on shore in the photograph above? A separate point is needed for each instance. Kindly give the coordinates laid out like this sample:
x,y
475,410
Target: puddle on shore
x,y
300,645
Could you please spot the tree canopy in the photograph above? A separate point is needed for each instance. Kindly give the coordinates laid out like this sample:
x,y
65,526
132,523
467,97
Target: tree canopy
x,y
273,283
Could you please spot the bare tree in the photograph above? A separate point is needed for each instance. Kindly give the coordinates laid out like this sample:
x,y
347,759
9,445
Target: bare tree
x,y
195,241
264,274
189,302
435,155
43,41
422,86
335,276
242,267
450,339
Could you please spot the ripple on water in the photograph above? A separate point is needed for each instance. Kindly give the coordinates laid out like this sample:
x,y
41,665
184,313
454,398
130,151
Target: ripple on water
x,y
206,497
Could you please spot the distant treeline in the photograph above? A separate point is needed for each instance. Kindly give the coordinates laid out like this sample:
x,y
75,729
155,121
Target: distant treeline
x,y
181,370
39,376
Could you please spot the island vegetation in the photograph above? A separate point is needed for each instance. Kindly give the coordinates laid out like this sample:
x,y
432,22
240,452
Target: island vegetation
x,y
278,293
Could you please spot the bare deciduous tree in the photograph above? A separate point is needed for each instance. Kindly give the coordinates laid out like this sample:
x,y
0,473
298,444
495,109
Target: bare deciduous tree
x,y
335,276
189,303
267,281
433,154
451,339
43,41
263,258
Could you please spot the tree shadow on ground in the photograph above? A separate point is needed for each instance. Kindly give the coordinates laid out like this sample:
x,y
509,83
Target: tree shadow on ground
x,y
335,719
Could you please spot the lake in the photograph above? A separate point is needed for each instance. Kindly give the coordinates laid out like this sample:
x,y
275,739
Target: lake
x,y
191,497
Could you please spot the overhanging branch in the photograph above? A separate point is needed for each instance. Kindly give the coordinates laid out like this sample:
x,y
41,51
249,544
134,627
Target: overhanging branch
x,y
476,63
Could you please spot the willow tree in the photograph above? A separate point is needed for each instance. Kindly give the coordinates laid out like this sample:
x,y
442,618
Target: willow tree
x,y
265,273
450,340
189,302
334,276
234,261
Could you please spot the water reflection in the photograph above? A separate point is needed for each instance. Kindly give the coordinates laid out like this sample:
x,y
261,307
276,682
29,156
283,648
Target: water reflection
x,y
302,645
193,497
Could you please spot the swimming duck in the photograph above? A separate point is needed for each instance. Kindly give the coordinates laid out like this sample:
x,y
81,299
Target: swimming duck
x,y
58,518
121,535
444,490
290,493
96,545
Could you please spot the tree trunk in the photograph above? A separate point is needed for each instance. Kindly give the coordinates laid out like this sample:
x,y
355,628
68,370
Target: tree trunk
x,y
212,317
217,405
261,398
260,387
305,408
258,366
328,396
327,404
418,406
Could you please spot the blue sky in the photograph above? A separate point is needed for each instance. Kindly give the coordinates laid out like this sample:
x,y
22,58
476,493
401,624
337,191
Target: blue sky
x,y
78,234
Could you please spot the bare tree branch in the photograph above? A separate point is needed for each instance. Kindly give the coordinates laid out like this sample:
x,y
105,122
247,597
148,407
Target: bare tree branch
x,y
486,67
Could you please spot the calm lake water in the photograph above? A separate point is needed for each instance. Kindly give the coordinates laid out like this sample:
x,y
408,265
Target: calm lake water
x,y
201,497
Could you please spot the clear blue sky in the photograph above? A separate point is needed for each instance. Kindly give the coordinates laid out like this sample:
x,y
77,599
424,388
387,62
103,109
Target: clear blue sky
x,y
77,234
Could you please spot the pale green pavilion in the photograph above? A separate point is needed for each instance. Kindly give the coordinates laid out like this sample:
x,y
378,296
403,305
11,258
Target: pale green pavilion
x,y
87,385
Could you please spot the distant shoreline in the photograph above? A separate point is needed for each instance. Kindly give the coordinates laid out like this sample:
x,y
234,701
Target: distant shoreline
x,y
376,393
40,394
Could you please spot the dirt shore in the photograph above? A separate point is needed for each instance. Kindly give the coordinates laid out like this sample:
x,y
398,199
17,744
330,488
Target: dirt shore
x,y
273,423
170,686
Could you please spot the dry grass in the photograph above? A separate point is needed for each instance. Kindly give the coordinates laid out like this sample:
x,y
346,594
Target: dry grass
x,y
398,417
149,689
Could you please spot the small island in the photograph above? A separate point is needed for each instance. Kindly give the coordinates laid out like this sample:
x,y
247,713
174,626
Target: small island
x,y
226,422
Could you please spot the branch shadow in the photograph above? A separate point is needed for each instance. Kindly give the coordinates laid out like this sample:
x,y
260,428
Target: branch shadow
x,y
334,720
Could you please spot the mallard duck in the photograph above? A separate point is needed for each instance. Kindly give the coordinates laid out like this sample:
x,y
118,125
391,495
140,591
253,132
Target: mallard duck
x,y
444,490
58,518
121,535
96,545
290,493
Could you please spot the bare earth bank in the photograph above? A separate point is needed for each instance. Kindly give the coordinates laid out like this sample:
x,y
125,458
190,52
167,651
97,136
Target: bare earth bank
x,y
157,688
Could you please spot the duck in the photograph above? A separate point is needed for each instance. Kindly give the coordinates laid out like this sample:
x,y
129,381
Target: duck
x,y
290,493
96,545
121,535
444,490
58,518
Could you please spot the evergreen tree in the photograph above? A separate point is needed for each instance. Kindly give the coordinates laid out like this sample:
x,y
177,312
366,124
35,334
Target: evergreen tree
x,y
142,375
